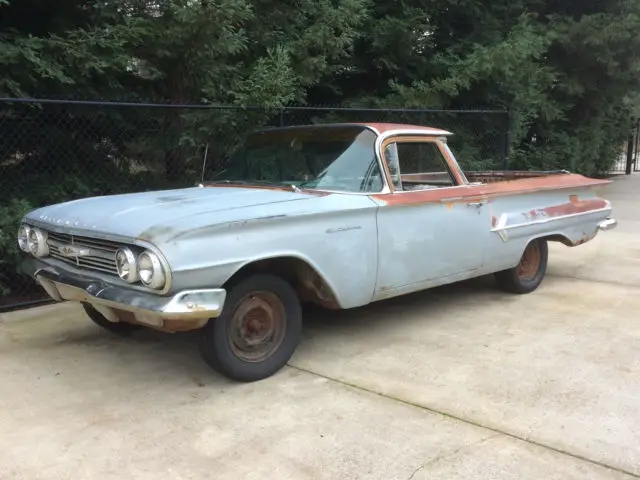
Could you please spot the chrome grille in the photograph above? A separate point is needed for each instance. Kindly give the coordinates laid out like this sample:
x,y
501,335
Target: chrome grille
x,y
101,257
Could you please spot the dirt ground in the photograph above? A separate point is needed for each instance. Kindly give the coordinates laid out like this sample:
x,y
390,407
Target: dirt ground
x,y
458,382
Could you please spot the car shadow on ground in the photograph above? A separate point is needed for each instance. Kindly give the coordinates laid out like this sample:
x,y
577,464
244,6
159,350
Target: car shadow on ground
x,y
419,302
177,353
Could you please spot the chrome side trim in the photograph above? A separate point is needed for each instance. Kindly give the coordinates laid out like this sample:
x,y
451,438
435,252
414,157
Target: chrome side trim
x,y
501,225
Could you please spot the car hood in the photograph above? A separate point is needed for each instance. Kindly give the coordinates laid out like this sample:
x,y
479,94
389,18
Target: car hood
x,y
129,216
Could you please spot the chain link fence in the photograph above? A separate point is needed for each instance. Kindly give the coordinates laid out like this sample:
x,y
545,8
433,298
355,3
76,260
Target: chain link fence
x,y
56,150
627,161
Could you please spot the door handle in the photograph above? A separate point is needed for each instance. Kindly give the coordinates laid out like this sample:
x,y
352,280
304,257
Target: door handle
x,y
477,204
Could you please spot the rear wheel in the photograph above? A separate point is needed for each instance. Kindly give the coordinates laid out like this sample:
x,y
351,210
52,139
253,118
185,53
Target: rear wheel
x,y
257,332
119,328
529,273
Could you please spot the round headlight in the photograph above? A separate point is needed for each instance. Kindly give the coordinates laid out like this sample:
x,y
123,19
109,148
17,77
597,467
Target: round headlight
x,y
126,265
151,271
23,238
37,242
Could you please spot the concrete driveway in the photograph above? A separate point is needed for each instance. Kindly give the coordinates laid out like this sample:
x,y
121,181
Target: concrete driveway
x,y
458,382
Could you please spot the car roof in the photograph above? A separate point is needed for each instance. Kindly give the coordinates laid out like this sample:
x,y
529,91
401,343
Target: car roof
x,y
378,127
402,127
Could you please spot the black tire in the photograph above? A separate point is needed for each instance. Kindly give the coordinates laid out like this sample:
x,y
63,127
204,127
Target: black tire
x,y
257,295
119,328
529,273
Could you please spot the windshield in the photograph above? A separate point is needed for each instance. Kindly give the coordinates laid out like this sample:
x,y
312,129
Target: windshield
x,y
337,158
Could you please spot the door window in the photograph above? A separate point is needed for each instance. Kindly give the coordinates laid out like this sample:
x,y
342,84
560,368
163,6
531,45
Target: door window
x,y
417,166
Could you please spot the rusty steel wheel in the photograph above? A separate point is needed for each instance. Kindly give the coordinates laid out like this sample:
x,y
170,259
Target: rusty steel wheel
x,y
257,326
530,271
529,264
258,330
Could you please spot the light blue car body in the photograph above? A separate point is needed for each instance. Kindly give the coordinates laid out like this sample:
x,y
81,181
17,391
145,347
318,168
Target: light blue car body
x,y
356,247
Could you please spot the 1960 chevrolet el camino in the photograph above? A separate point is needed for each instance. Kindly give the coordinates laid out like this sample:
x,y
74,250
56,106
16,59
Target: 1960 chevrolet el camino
x,y
339,215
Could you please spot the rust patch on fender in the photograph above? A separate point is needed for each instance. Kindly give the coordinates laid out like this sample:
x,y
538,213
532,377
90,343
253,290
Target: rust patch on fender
x,y
575,207
583,239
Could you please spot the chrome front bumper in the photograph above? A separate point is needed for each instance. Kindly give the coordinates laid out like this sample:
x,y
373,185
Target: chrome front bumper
x,y
189,307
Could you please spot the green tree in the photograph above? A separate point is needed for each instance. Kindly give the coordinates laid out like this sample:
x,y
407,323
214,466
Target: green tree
x,y
568,71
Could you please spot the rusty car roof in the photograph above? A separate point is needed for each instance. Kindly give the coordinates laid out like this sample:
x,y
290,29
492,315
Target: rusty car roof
x,y
391,127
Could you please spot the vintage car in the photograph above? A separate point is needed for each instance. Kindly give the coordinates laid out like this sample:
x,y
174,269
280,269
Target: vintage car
x,y
339,215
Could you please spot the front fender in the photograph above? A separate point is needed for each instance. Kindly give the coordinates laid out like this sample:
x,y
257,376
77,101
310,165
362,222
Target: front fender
x,y
338,240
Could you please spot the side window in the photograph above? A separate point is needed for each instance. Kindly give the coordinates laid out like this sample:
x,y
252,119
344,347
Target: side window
x,y
417,166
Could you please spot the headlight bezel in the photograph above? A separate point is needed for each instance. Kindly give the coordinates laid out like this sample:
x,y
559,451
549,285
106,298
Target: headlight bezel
x,y
23,241
132,274
37,242
157,277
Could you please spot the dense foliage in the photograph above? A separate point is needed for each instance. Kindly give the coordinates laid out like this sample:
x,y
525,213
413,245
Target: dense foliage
x,y
566,70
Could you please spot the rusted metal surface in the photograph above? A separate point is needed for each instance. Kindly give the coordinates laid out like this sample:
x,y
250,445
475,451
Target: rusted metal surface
x,y
571,208
530,262
308,283
167,325
257,326
400,127
497,189
503,176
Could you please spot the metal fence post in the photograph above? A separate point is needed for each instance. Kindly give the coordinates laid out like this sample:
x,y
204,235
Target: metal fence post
x,y
637,147
507,140
630,145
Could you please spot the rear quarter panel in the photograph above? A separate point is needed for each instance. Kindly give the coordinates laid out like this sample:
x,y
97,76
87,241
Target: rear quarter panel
x,y
570,215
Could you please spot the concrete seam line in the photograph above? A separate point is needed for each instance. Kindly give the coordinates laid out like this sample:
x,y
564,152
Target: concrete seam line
x,y
468,422
591,280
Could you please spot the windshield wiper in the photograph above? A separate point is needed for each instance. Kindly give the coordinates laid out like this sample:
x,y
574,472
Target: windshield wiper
x,y
238,182
266,183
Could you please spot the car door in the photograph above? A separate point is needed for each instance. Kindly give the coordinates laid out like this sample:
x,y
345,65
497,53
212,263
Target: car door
x,y
431,229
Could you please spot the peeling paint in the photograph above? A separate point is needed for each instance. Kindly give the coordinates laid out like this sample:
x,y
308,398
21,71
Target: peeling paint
x,y
494,190
574,207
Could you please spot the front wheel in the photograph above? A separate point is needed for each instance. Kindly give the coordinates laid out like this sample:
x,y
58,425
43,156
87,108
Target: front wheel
x,y
257,332
529,273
